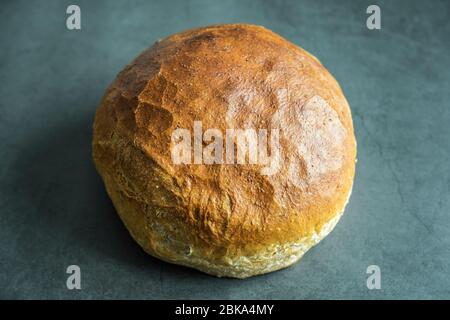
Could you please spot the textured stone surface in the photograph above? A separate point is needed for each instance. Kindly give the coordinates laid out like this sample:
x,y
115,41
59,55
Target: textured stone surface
x,y
55,212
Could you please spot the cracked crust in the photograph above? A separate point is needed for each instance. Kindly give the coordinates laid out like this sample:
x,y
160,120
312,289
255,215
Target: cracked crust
x,y
226,220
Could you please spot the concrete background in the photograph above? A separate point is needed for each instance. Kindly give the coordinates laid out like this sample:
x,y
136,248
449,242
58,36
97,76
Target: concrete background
x,y
54,209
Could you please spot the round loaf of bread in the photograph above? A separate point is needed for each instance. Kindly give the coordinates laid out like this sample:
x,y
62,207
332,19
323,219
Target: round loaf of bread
x,y
226,149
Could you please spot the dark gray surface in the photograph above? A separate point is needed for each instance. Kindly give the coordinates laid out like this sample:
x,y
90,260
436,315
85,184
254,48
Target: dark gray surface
x,y
54,209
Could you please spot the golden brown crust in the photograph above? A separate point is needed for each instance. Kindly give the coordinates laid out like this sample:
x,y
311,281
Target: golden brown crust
x,y
227,76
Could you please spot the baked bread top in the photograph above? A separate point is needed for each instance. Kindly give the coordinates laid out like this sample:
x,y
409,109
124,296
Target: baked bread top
x,y
228,76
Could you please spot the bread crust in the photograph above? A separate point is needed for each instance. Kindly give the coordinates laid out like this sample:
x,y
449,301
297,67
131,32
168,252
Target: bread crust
x,y
226,220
